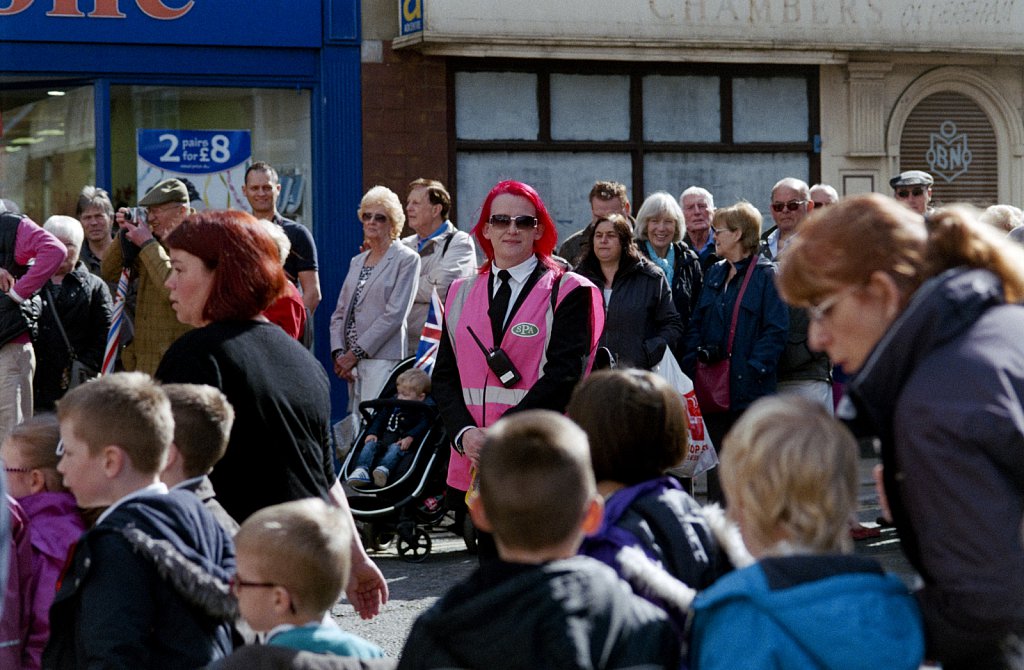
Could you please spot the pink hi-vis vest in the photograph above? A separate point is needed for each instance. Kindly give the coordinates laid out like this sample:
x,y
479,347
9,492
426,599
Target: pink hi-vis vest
x,y
525,341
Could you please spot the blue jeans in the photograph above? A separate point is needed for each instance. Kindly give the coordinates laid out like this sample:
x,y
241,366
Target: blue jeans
x,y
392,454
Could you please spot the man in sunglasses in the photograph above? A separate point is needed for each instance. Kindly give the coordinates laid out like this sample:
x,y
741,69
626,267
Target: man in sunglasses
x,y
914,189
823,195
800,370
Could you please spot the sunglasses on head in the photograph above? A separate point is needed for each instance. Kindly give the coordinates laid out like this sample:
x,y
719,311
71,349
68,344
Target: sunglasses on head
x,y
523,222
792,205
379,218
917,192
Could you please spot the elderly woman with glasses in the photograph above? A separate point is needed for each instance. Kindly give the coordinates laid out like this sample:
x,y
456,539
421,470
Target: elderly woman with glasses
x,y
750,335
659,233
926,315
368,332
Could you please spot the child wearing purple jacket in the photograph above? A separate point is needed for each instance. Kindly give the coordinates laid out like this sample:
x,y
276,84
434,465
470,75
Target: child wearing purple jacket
x,y
30,459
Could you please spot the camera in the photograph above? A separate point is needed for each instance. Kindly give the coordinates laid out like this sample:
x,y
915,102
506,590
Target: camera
x,y
136,215
711,353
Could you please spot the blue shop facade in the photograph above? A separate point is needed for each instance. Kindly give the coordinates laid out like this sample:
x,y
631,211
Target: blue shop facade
x,y
81,81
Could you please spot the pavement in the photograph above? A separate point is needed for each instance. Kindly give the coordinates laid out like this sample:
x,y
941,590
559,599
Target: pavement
x,y
415,586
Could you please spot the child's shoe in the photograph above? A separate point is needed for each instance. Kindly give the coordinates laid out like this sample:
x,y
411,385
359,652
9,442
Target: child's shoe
x,y
359,478
380,476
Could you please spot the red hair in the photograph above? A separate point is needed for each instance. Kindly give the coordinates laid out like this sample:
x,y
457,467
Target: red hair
x,y
248,276
543,247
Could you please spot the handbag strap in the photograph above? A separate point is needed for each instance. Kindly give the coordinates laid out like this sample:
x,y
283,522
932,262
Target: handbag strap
x,y
56,316
736,308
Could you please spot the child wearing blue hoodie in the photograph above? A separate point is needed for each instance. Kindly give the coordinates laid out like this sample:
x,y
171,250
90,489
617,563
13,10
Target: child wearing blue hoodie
x,y
789,471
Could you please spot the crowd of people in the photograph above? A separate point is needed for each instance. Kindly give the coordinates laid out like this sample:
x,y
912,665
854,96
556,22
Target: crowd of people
x,y
187,507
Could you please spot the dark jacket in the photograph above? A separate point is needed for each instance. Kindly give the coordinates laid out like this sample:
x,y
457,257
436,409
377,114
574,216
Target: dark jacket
x,y
760,332
662,520
83,303
798,362
568,614
146,588
943,392
687,277
641,319
707,257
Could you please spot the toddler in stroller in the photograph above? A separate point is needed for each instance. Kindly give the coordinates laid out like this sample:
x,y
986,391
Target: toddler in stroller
x,y
393,431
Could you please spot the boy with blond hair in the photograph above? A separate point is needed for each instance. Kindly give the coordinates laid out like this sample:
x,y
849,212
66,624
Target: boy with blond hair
x,y
147,586
293,565
790,474
202,426
540,605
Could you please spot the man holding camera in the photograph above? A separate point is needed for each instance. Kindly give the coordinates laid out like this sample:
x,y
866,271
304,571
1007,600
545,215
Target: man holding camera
x,y
139,250
518,336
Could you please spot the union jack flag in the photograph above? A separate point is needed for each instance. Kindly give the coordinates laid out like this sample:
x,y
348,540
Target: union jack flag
x,y
430,338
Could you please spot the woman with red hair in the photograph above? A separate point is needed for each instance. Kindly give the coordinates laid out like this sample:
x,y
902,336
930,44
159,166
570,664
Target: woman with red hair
x,y
225,271
519,335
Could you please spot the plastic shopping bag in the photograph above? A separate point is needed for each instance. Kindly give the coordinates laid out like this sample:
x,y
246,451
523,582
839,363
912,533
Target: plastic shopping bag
x,y
702,455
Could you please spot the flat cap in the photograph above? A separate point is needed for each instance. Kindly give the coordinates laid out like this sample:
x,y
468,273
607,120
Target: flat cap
x,y
911,178
169,190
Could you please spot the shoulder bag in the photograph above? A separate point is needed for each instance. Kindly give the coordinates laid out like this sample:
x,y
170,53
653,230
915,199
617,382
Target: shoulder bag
x,y
711,382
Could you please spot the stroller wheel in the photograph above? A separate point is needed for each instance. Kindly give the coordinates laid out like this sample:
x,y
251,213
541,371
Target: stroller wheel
x,y
416,547
469,534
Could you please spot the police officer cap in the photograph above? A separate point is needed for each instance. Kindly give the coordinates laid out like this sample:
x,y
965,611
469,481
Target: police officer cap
x,y
911,178
169,190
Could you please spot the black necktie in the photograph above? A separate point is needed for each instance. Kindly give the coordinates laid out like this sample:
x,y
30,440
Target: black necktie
x,y
499,305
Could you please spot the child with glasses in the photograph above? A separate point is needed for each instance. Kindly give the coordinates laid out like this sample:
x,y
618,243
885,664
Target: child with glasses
x,y
53,525
147,586
293,566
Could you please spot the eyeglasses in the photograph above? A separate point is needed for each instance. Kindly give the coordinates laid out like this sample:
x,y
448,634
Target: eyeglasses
x,y
236,584
907,192
523,221
719,231
376,218
818,312
819,205
792,205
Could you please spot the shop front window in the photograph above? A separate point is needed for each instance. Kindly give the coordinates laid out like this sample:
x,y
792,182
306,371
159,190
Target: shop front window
x,y
276,121
47,147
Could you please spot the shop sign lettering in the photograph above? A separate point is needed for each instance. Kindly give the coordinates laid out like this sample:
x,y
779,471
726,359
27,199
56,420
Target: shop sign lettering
x,y
101,9
948,155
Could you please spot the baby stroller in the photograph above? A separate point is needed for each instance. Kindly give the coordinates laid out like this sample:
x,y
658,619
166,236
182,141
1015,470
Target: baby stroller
x,y
412,501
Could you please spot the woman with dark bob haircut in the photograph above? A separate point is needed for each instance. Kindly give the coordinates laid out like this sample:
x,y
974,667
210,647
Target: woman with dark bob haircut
x,y
638,427
225,270
926,316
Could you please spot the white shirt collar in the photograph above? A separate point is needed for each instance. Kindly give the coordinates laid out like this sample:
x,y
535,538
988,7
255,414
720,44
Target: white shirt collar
x,y
520,273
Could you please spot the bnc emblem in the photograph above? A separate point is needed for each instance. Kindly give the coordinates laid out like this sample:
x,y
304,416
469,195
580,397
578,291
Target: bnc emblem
x,y
948,155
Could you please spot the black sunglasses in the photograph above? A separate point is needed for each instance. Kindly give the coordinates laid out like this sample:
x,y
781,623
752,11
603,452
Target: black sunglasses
x,y
523,221
907,192
792,205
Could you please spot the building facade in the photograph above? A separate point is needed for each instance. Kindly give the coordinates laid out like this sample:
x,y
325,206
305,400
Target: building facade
x,y
727,94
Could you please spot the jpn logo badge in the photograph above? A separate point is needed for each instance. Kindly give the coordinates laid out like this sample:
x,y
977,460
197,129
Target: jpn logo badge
x,y
948,155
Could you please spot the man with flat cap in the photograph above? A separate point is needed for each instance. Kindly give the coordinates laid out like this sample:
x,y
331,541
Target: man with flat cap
x,y
914,189
139,249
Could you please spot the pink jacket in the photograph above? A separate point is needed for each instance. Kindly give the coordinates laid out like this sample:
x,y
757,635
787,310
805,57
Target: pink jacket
x,y
16,622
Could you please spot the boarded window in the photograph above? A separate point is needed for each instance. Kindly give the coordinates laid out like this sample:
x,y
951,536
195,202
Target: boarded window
x,y
949,136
